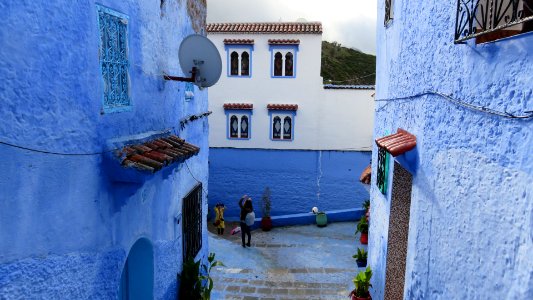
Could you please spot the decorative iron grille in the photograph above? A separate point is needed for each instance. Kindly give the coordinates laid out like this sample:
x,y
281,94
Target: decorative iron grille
x,y
479,17
114,58
192,223
383,170
388,12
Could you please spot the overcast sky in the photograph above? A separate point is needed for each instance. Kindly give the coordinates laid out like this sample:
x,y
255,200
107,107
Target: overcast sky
x,y
349,22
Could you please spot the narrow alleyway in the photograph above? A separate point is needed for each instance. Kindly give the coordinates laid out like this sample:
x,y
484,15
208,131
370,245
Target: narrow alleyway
x,y
299,262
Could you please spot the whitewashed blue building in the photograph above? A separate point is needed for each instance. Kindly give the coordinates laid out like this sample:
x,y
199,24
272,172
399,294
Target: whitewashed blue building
x,y
102,189
451,198
275,124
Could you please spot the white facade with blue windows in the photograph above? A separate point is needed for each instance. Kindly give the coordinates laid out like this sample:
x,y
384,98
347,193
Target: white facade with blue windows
x,y
275,124
103,195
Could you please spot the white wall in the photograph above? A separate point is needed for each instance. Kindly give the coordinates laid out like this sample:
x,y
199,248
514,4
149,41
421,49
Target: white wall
x,y
325,120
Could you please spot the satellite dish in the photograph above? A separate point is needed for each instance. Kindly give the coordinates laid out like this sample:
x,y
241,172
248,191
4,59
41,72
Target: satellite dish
x,y
200,58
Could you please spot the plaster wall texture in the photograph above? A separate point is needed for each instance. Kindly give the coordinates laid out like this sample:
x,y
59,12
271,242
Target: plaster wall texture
x,y
325,120
65,227
471,223
298,180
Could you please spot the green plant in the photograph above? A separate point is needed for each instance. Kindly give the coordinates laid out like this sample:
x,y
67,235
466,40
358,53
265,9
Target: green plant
x,y
266,203
362,226
197,285
362,283
361,254
366,205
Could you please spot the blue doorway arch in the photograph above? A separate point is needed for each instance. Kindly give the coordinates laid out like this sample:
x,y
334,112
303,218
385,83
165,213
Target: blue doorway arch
x,y
137,280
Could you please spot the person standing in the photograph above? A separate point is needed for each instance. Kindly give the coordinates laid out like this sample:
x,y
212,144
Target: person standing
x,y
247,218
219,219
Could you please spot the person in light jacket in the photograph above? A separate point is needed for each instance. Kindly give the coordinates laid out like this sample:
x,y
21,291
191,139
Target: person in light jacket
x,y
246,208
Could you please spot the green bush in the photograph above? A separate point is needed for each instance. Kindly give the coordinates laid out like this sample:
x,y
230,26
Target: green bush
x,y
195,284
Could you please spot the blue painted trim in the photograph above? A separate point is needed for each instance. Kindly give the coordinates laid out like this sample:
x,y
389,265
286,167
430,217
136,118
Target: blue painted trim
x,y
295,49
113,12
282,112
247,112
229,49
343,215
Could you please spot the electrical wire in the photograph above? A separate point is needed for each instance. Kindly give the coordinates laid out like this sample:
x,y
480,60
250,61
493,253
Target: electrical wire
x,y
192,175
56,153
528,114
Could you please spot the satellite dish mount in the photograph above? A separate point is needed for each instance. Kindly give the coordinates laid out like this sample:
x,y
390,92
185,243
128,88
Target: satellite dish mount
x,y
199,57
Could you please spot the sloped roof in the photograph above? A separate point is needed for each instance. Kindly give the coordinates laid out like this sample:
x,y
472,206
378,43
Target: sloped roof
x,y
266,27
153,155
248,106
282,106
239,41
349,87
283,41
398,143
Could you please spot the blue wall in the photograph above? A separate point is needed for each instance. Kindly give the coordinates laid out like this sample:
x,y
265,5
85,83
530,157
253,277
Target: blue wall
x,y
66,227
298,179
471,222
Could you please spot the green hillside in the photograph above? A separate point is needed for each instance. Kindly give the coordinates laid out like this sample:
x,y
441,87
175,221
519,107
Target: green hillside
x,y
344,65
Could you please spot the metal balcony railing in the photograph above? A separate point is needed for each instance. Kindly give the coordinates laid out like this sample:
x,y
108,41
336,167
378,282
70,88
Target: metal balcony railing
x,y
481,17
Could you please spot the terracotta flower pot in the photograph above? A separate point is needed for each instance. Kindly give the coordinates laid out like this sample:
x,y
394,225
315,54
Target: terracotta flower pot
x,y
364,238
359,298
266,223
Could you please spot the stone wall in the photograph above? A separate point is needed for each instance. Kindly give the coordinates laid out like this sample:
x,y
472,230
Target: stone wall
x,y
471,223
298,180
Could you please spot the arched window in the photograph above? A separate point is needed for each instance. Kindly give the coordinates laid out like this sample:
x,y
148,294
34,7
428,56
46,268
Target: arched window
x,y
278,64
234,127
289,66
287,128
234,63
244,127
276,128
245,63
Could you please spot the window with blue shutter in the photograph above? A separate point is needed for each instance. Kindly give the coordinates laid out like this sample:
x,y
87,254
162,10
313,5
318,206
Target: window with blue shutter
x,y
114,59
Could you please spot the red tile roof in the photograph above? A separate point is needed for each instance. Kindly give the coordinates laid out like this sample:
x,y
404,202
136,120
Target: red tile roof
x,y
239,41
366,175
283,42
273,27
282,106
155,154
398,143
238,106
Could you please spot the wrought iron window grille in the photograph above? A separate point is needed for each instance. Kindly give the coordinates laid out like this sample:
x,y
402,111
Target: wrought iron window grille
x,y
383,170
480,17
388,12
114,58
192,223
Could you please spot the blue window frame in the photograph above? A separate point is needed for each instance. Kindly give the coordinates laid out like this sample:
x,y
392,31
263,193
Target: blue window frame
x,y
282,125
283,60
239,60
239,124
114,62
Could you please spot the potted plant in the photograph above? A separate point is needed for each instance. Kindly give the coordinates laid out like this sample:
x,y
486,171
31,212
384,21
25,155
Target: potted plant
x,y
362,283
266,221
194,280
361,257
366,207
362,227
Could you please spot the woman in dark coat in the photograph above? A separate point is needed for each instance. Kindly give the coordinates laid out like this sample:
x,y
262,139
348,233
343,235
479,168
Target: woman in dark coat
x,y
246,208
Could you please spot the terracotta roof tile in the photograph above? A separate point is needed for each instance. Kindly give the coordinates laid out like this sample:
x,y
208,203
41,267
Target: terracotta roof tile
x,y
283,42
272,27
238,106
282,106
398,143
239,41
366,175
155,154
349,87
